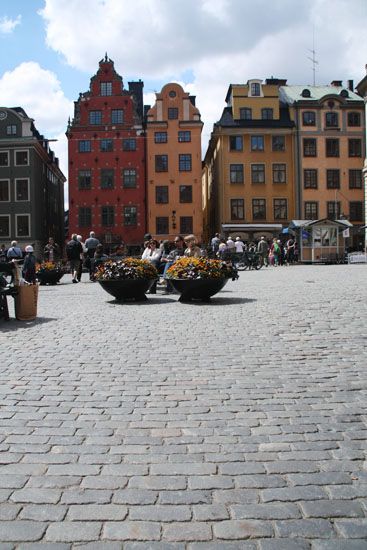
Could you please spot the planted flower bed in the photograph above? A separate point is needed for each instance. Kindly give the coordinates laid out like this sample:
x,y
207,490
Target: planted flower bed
x,y
126,279
49,273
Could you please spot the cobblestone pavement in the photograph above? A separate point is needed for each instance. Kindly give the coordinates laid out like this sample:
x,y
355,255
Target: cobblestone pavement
x,y
239,424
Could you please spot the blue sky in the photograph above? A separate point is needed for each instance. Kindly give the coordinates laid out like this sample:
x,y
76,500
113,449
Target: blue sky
x,y
51,48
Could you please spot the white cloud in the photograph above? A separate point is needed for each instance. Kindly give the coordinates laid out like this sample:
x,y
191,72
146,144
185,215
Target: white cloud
x,y
7,25
39,93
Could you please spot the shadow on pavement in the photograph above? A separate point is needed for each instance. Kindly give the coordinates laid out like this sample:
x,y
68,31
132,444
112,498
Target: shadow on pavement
x,y
14,324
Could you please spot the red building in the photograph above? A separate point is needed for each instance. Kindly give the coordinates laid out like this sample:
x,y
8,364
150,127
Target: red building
x,y
107,160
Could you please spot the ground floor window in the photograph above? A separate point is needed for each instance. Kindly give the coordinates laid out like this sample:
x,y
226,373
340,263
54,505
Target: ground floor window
x,y
4,226
23,225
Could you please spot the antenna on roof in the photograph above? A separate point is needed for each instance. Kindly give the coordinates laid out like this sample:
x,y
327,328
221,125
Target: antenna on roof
x,y
313,58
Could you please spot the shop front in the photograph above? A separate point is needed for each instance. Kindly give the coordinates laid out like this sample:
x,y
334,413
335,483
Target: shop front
x,y
321,241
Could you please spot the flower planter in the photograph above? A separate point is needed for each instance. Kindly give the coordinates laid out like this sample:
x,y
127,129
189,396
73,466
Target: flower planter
x,y
127,289
198,289
51,277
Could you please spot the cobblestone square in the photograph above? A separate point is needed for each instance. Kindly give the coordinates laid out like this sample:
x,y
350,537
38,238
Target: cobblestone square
x,y
238,424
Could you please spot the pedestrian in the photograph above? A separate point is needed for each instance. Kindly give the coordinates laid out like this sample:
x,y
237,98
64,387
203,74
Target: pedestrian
x,y
239,245
290,246
275,252
73,252
176,253
152,254
29,265
14,252
3,252
231,245
82,256
263,250
51,252
215,242
91,245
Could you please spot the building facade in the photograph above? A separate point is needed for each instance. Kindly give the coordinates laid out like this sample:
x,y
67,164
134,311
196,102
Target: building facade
x,y
362,90
248,168
107,160
174,193
329,146
31,184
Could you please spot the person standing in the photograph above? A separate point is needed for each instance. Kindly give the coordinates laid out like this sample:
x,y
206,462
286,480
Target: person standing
x,y
91,245
29,265
80,269
73,251
239,245
215,242
14,252
51,252
263,250
176,253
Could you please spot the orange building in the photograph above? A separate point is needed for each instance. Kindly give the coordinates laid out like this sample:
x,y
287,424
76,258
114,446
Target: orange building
x,y
248,177
174,196
329,152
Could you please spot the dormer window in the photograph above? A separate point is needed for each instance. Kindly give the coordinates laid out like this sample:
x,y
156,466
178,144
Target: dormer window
x,y
106,88
306,93
255,89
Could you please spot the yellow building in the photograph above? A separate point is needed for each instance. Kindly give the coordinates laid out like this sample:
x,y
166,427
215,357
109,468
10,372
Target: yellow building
x,y
174,192
248,175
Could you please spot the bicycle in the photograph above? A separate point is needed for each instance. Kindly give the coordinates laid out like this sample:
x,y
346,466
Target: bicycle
x,y
248,260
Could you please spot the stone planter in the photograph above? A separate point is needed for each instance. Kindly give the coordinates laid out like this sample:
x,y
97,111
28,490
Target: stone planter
x,y
127,289
51,277
198,289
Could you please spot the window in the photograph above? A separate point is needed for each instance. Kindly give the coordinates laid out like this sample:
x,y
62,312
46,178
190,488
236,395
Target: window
x,y
259,209
280,209
354,119
161,225
129,178
333,179
106,145
22,189
11,130
311,210
267,114
117,116
184,163
161,194
355,179
108,216
85,179
245,113
22,225
184,136
84,146
279,173
356,211
255,89
4,191
237,209
309,118
186,225
310,178
331,120
4,158
106,88
355,147
258,173
332,147
257,143
333,210
130,215
161,163
85,216
278,143
21,158
235,143
4,226
95,117
160,137
236,173
185,193
107,177
172,113
129,144
309,147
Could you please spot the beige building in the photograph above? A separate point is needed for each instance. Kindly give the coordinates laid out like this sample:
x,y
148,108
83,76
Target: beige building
x,y
362,90
174,193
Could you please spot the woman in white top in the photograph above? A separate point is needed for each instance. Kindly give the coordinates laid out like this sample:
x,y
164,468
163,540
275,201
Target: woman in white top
x,y
153,254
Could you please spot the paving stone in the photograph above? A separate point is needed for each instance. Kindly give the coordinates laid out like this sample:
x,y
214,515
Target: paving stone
x,y
20,531
242,529
193,531
284,544
154,546
91,512
338,544
184,497
222,545
322,478
36,496
131,530
265,511
211,512
43,512
9,510
332,509
304,528
73,531
352,529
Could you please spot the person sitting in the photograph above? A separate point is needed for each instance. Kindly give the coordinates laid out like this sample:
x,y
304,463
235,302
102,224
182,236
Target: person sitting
x,y
192,249
99,258
176,253
51,252
152,254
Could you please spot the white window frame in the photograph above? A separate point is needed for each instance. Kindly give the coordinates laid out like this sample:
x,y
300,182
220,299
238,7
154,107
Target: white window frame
x,y
8,164
8,180
255,81
16,225
15,190
6,216
15,156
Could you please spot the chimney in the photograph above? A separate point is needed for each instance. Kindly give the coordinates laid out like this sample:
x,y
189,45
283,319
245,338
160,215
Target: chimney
x,y
136,90
350,85
337,83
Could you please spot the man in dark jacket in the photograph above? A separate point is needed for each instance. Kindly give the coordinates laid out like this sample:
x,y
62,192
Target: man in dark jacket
x,y
73,251
91,244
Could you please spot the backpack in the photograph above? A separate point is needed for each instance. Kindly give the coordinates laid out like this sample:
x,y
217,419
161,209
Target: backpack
x,y
72,250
